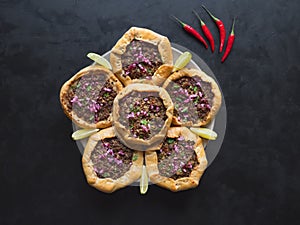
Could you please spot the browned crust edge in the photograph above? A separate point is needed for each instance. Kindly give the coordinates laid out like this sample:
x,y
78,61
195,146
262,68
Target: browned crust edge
x,y
72,115
164,48
123,132
182,183
217,100
109,185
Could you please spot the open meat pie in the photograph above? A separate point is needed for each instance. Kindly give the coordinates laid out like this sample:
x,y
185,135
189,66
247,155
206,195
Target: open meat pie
x,y
142,55
87,98
142,114
179,163
108,164
196,97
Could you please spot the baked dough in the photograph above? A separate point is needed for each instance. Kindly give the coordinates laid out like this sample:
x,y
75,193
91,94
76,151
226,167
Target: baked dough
x,y
109,185
67,85
215,101
183,183
123,132
145,35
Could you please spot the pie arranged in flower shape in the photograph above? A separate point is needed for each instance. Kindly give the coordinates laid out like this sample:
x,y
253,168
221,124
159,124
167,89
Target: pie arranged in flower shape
x,y
196,97
180,161
142,115
142,55
144,110
87,98
108,164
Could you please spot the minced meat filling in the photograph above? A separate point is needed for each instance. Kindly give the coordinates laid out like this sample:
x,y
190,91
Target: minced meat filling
x,y
91,97
140,60
188,96
111,159
209,95
143,113
176,158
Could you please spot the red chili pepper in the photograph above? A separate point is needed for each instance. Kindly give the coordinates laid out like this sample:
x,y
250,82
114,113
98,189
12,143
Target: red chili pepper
x,y
221,27
229,42
192,31
206,32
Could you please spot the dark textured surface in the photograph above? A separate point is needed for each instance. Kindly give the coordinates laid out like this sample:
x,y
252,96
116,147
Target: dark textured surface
x,y
254,179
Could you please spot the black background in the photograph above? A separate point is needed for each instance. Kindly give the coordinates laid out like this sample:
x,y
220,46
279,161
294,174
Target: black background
x,y
252,181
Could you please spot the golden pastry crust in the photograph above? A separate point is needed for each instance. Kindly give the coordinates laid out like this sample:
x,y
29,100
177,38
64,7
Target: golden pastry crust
x,y
123,132
66,86
183,183
109,185
216,101
146,35
161,74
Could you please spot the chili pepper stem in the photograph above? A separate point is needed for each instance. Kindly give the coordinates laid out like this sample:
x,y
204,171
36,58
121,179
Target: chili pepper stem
x,y
232,29
179,21
199,18
212,16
